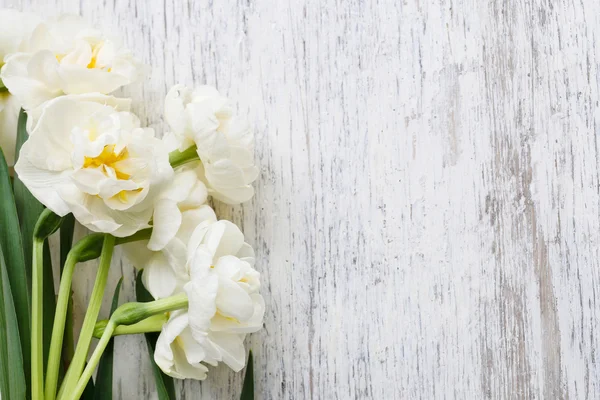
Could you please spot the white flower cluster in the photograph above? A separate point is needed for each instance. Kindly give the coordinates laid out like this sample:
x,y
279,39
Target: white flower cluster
x,y
88,154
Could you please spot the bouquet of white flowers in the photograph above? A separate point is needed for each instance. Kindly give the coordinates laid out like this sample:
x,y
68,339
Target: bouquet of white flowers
x,y
80,154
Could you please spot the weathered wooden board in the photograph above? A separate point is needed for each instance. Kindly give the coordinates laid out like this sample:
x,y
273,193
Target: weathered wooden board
x,y
427,217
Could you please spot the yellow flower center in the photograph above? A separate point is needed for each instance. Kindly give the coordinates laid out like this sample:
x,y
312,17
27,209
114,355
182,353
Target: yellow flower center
x,y
93,64
107,159
95,51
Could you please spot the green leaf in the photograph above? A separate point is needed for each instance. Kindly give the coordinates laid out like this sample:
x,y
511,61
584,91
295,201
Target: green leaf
x,y
49,297
12,375
10,240
28,208
66,242
88,393
165,387
66,238
248,388
105,368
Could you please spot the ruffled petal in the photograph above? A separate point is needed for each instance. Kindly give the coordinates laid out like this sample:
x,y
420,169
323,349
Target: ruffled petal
x,y
167,220
231,347
159,279
201,294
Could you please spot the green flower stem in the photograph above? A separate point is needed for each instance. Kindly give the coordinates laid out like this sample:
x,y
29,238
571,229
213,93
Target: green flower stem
x,y
87,248
132,313
69,336
127,314
46,225
37,352
178,158
89,321
94,359
150,324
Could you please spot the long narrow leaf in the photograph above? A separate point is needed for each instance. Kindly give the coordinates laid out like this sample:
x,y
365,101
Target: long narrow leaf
x,y
66,238
67,229
248,388
28,208
88,393
12,375
49,297
104,377
165,387
10,240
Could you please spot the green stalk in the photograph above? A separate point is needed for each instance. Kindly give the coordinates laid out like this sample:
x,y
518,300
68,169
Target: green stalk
x,y
46,225
150,324
127,314
37,352
178,158
87,247
89,321
91,366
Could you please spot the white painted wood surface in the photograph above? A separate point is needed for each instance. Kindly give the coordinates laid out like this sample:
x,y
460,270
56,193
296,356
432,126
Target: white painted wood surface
x,y
427,216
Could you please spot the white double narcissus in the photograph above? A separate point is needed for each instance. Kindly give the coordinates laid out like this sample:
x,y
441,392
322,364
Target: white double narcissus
x,y
225,143
215,267
14,27
224,305
180,199
64,56
88,155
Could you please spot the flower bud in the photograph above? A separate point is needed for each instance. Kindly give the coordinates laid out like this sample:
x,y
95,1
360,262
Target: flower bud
x,y
132,313
88,248
47,224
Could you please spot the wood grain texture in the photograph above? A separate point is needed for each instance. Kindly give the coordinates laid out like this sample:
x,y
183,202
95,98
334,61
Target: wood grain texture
x,y
427,216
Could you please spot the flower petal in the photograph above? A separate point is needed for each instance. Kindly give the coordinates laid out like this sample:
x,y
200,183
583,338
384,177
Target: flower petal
x,y
159,278
233,301
231,347
167,220
201,294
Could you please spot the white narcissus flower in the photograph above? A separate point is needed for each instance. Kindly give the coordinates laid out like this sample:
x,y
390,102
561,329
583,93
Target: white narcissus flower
x,y
166,271
185,193
65,56
14,28
216,270
225,143
89,155
218,249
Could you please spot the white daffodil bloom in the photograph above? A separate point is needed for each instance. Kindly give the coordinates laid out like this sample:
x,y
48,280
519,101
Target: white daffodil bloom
x,y
166,271
217,273
218,249
14,28
65,56
225,143
89,155
185,193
